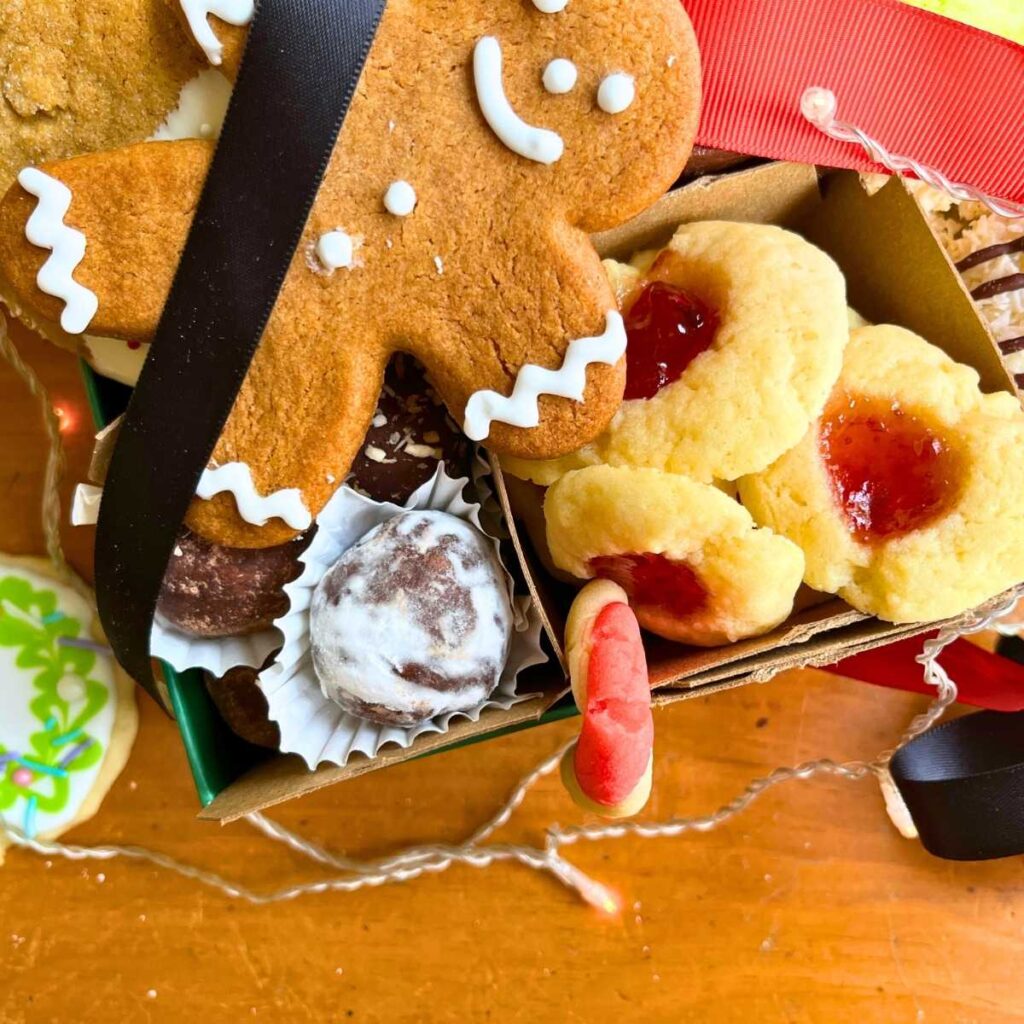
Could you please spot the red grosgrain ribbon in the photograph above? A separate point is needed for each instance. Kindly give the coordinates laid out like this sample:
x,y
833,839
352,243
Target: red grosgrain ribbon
x,y
944,93
983,680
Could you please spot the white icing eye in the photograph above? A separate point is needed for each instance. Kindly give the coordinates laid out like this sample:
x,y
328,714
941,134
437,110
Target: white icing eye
x,y
560,76
335,250
550,6
616,93
400,199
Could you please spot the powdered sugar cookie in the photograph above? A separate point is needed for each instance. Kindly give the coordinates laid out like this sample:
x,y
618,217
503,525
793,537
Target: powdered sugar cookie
x,y
736,334
907,495
695,568
69,715
491,280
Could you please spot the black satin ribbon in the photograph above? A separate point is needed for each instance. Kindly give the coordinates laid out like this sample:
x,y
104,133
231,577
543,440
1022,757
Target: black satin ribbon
x,y
963,784
302,63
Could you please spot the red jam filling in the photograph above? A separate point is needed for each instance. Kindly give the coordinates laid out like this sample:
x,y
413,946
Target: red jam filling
x,y
891,472
654,581
667,329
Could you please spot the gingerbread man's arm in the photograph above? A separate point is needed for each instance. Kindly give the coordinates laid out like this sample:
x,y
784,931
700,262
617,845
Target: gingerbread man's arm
x,y
115,224
508,391
93,243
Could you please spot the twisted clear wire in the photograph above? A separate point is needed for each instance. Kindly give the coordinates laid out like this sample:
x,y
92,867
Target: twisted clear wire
x,y
819,106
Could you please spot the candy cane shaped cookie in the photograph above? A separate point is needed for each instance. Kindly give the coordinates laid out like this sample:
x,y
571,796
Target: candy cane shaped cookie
x,y
608,769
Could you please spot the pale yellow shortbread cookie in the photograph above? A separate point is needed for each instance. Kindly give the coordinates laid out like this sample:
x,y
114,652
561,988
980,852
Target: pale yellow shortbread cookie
x,y
728,579
971,549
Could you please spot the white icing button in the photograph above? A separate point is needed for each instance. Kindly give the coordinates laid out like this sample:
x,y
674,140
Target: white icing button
x,y
546,147
400,199
197,13
560,76
46,229
616,93
520,409
550,6
70,689
253,507
335,250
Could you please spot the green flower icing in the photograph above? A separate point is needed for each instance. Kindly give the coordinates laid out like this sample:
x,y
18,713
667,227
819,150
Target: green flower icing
x,y
32,622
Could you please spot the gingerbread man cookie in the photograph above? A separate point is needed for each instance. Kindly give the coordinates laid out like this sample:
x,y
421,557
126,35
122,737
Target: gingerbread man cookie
x,y
461,189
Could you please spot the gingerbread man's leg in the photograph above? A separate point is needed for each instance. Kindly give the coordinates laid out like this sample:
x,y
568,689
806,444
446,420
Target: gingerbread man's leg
x,y
93,243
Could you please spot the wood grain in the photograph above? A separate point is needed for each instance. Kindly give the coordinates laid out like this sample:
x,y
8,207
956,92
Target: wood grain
x,y
808,909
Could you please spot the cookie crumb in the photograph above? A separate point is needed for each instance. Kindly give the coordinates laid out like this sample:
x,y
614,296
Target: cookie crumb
x,y
422,451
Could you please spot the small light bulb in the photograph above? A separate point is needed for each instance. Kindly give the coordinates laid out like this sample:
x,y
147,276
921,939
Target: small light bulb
x,y
818,105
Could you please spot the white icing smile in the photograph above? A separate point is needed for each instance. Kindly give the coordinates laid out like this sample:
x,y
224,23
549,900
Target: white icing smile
x,y
46,229
546,147
253,507
234,12
520,409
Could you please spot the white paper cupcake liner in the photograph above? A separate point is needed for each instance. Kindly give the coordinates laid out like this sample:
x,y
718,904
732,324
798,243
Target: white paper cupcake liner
x,y
183,651
313,726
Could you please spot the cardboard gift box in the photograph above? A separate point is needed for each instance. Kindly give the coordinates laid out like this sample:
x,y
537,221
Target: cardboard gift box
x,y
896,272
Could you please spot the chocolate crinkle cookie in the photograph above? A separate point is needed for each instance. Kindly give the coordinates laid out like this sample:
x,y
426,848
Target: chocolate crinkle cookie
x,y
242,705
214,591
411,432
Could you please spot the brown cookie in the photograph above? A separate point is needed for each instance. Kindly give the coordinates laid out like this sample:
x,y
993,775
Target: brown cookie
x,y
410,433
242,705
64,68
490,271
215,591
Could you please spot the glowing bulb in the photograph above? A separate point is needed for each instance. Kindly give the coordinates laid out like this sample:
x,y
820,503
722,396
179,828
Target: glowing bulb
x,y
818,105
601,897
67,418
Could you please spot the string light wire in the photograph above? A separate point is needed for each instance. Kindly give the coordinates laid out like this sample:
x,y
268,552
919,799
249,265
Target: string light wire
x,y
820,107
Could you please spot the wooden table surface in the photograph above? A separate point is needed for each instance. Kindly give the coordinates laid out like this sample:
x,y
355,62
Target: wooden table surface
x,y
810,908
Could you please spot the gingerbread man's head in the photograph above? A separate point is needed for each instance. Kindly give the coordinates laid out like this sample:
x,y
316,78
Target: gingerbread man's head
x,y
487,139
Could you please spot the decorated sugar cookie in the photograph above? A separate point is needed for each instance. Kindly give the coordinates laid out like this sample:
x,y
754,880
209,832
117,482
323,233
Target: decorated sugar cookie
x,y
68,718
689,557
608,769
466,190
736,334
907,495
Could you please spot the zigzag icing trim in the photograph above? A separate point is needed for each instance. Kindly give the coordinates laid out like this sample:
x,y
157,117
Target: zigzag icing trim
x,y
253,507
46,229
520,409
